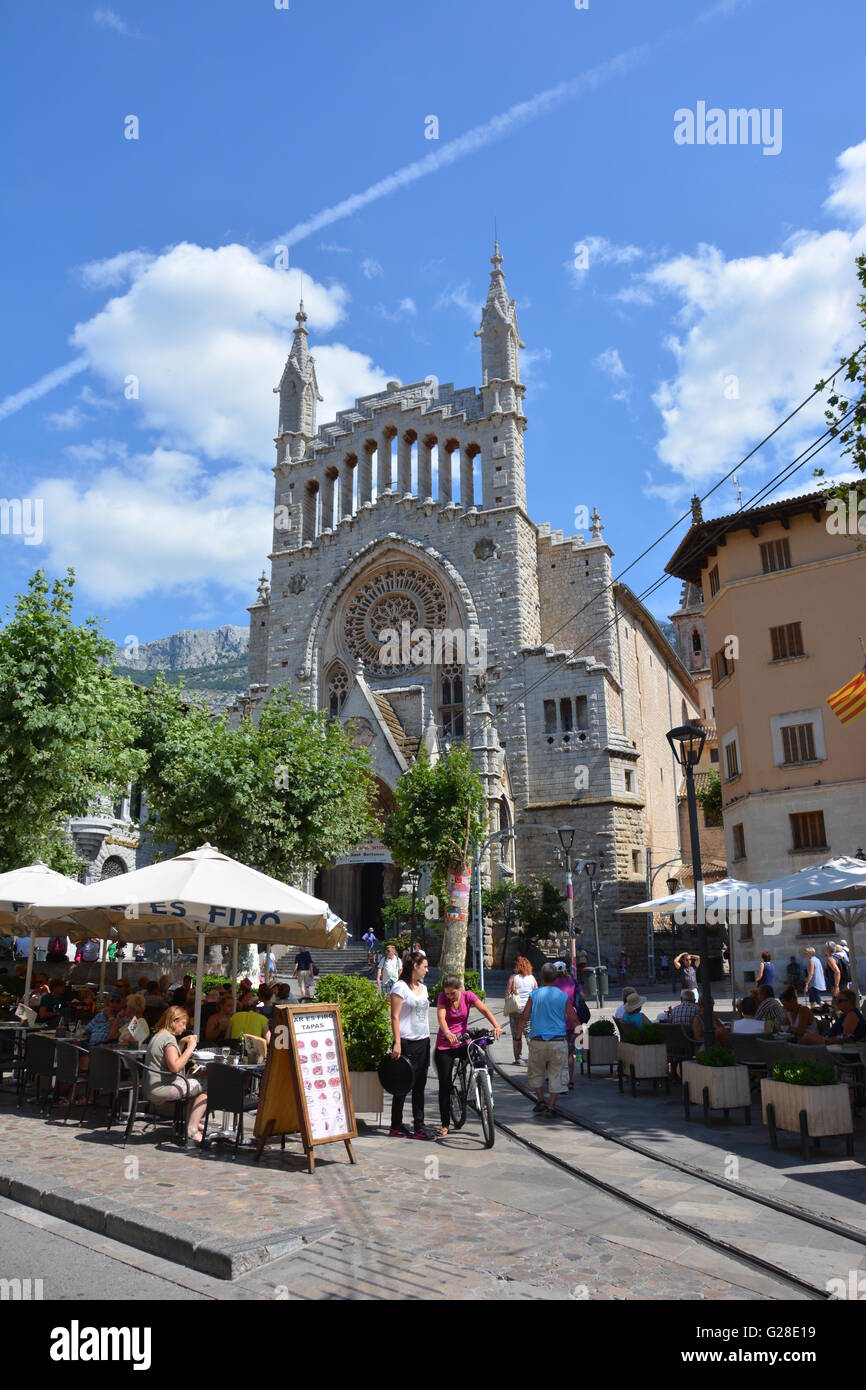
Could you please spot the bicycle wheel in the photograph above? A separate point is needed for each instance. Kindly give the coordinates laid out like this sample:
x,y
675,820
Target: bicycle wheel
x,y
459,1087
485,1107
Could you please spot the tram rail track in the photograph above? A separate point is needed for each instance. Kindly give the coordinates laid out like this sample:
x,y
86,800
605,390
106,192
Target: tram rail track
x,y
744,1195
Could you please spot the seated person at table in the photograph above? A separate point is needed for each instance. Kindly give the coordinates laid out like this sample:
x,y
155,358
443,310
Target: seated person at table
x,y
39,988
266,1001
249,1020
698,1020
849,1024
84,1005
284,993
682,1013
106,1025
209,1006
163,986
132,1011
219,1026
799,1021
51,1004
769,1008
633,1015
747,1023
125,987
164,1080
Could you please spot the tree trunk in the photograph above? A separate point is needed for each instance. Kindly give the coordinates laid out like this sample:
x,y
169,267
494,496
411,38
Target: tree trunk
x,y
455,928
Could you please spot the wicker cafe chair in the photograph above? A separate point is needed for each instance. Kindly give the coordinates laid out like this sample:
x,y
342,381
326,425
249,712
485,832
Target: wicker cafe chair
x,y
67,1072
679,1043
9,1052
107,1076
226,1090
38,1066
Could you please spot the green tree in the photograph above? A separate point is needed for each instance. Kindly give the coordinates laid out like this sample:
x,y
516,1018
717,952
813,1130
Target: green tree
x,y
852,432
710,797
281,794
512,905
67,725
439,813
548,917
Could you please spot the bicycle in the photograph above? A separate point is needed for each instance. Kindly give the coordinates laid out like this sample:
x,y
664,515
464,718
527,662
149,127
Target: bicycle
x,y
470,1083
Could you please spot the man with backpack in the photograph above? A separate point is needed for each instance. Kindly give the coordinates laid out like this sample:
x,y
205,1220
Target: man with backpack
x,y
835,956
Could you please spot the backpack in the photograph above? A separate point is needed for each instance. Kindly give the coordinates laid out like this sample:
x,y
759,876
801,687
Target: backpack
x,y
844,972
57,948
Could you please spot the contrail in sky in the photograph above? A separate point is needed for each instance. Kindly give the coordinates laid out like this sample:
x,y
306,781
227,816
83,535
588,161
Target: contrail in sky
x,y
19,399
473,140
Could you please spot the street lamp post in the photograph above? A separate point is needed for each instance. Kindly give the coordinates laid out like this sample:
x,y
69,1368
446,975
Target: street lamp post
x,y
594,892
687,743
673,887
566,839
413,877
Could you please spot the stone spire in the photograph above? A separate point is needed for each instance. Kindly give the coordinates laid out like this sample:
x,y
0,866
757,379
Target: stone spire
x,y
697,510
499,334
298,390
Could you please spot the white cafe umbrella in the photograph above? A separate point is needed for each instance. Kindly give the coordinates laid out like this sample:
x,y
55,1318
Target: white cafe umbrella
x,y
197,895
683,902
836,890
20,889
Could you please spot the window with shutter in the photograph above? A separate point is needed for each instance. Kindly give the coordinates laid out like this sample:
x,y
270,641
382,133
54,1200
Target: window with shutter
x,y
807,830
775,555
786,641
798,743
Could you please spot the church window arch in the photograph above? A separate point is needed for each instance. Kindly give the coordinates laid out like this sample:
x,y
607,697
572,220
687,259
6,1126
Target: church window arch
x,y
338,688
697,645
451,701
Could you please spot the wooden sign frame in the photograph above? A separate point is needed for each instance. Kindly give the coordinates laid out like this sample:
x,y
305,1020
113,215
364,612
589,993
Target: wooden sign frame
x,y
283,1098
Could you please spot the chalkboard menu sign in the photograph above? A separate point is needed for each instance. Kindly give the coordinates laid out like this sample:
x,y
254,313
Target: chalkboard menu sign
x,y
305,1088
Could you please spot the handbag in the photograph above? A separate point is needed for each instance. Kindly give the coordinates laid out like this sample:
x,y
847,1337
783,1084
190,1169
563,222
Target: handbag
x,y
581,1008
512,1004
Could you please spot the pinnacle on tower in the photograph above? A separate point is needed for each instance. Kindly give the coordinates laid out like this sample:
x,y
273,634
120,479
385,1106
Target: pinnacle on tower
x,y
298,389
499,334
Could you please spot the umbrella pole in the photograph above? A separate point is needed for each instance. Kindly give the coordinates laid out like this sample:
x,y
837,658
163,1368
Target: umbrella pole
x,y
102,956
28,979
199,973
235,973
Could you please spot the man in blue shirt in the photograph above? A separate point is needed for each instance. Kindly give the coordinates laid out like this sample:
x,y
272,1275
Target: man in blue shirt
x,y
551,1016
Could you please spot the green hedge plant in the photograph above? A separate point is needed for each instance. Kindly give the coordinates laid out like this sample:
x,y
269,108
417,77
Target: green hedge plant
x,y
716,1057
804,1074
602,1028
365,1016
648,1036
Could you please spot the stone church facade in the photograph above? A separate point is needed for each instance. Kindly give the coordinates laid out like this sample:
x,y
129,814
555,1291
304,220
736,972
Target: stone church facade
x,y
412,593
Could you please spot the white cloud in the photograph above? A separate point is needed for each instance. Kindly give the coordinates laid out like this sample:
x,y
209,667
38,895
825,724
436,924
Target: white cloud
x,y
207,333
405,309
371,269
530,359
590,252
159,523
754,334
115,270
107,19
71,419
96,451
461,298
610,363
335,247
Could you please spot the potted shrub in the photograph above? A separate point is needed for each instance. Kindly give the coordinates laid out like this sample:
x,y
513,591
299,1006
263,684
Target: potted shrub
x,y
366,1021
602,1044
807,1098
643,1054
714,1077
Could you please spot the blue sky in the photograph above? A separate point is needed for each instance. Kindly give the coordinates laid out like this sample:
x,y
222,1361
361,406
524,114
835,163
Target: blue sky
x,y
719,280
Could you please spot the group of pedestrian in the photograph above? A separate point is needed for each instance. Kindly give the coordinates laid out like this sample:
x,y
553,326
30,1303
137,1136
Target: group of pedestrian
x,y
410,1027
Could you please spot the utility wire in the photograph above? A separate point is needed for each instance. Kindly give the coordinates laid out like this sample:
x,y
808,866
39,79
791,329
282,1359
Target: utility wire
x,y
810,452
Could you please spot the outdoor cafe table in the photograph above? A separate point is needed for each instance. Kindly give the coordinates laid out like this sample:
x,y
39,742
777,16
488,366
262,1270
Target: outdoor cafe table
x,y
250,1070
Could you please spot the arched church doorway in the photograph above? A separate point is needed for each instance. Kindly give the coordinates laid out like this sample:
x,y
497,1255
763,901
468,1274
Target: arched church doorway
x,y
359,883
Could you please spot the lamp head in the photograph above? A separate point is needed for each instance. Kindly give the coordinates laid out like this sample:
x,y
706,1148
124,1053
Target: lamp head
x,y
589,868
566,836
687,743
673,885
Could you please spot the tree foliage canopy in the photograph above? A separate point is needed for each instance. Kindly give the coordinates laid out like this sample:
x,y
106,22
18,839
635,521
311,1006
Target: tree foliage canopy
x,y
439,812
279,794
67,726
851,432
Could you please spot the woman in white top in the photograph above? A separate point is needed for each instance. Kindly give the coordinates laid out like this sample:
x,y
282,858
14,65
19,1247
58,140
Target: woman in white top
x,y
410,1025
521,983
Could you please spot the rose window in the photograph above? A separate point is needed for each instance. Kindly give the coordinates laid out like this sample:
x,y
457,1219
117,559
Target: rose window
x,y
376,613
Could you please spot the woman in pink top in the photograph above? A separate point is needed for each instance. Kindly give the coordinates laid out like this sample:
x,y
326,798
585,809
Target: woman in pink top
x,y
453,1008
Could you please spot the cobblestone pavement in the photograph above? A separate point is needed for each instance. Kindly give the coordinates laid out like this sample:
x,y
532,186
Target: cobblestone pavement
x,y
410,1219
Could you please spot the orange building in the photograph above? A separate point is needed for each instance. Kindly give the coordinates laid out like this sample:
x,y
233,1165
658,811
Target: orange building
x,y
783,594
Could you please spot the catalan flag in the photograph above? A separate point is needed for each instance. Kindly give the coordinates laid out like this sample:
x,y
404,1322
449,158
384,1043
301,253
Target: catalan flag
x,y
850,701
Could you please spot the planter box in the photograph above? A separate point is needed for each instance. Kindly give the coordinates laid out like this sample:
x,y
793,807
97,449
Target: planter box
x,y
601,1051
727,1088
815,1112
648,1062
367,1093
